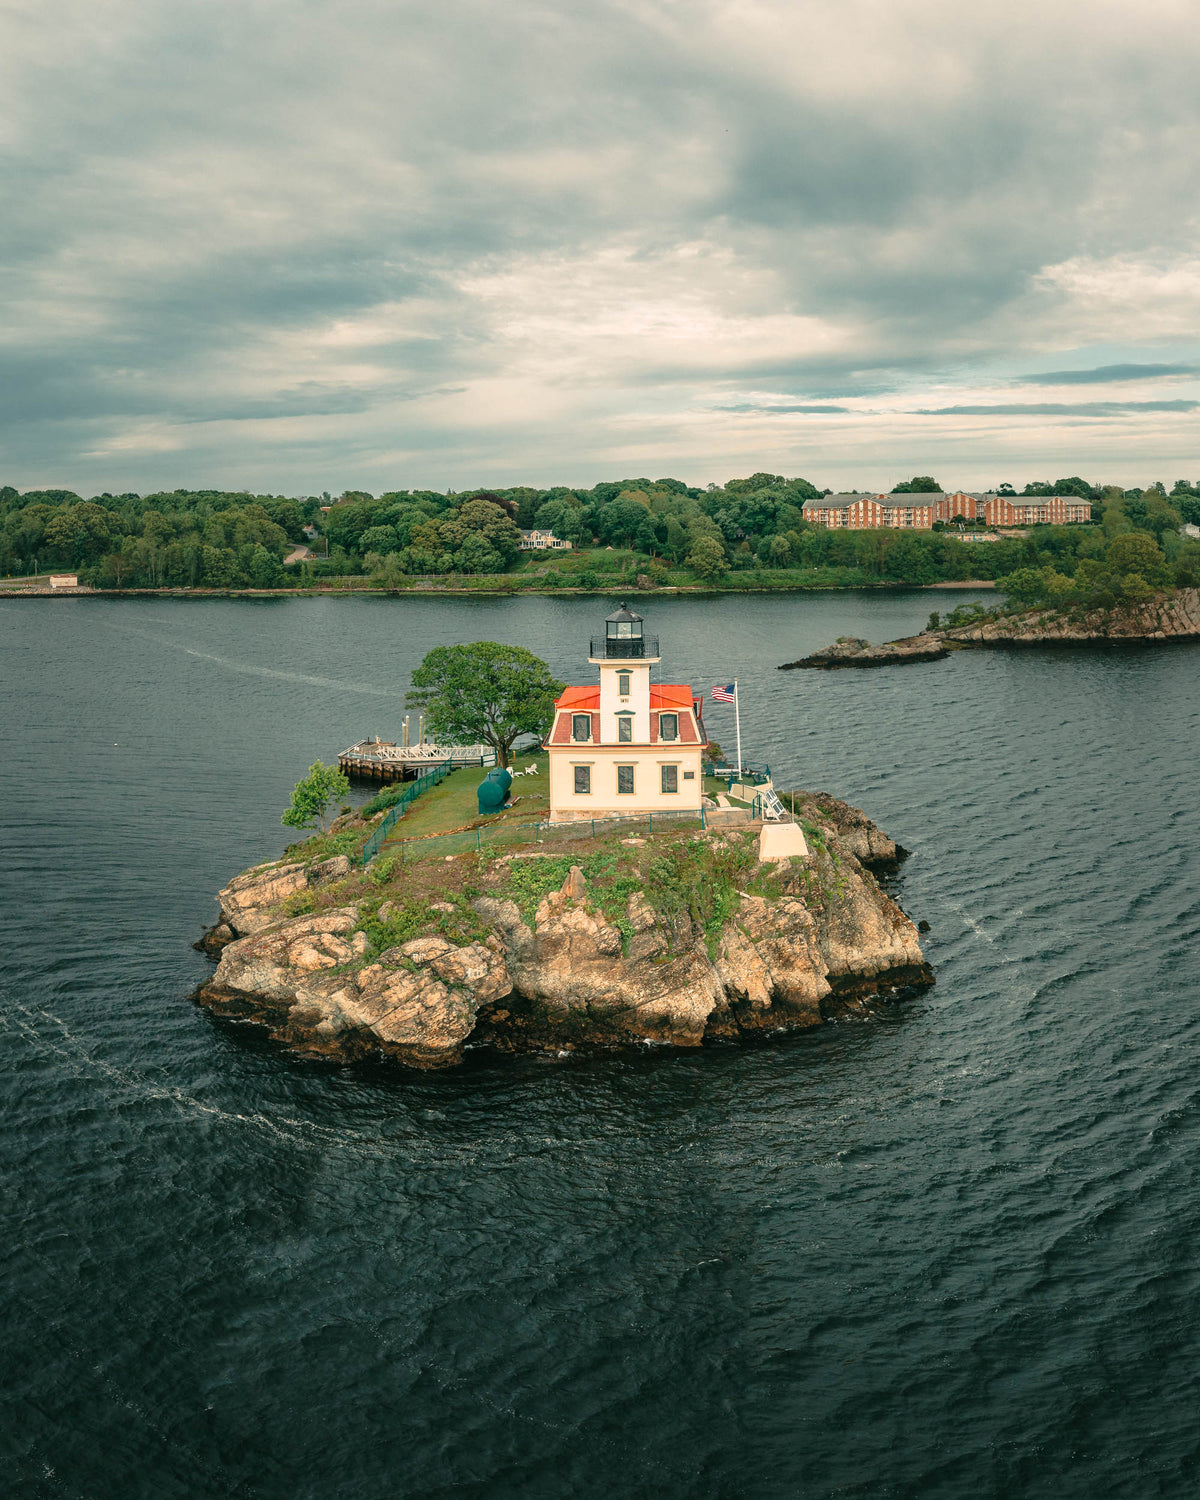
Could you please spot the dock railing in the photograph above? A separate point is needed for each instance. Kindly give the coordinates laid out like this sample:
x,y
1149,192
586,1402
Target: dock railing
x,y
394,813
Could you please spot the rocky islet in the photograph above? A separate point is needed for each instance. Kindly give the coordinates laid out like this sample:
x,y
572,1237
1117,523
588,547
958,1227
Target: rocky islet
x,y
794,945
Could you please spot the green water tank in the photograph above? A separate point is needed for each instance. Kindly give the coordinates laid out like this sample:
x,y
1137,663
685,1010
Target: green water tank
x,y
493,790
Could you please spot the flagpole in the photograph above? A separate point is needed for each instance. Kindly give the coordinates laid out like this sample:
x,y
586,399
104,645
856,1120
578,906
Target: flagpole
x,y
737,716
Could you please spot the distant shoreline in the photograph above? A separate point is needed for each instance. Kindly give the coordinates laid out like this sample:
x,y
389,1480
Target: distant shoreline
x,y
439,591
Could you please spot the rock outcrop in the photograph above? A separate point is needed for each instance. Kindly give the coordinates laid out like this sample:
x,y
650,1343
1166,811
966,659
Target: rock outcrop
x,y
851,827
823,939
251,903
851,651
1169,617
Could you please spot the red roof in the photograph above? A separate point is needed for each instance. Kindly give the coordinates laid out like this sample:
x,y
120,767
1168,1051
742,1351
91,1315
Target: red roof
x,y
666,695
579,697
671,695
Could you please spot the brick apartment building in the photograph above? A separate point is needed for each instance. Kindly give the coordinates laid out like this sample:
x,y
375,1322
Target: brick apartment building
x,y
919,512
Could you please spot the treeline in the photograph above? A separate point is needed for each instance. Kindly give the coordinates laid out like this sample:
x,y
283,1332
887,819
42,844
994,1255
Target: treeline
x,y
1130,568
748,532
176,539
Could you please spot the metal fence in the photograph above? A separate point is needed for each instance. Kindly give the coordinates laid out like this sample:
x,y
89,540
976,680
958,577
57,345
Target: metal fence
x,y
394,813
751,774
512,835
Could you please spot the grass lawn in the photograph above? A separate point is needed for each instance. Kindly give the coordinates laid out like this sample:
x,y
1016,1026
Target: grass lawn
x,y
454,802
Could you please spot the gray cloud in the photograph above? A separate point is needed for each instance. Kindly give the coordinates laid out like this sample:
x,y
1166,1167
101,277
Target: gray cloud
x,y
1057,408
1108,374
773,411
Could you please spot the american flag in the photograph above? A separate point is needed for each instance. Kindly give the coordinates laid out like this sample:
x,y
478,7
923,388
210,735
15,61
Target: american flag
x,y
725,694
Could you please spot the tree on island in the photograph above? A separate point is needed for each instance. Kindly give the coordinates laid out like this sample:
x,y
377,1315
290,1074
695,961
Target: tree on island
x,y
484,693
312,795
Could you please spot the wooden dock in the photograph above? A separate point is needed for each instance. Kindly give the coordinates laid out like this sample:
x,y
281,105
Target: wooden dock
x,y
381,760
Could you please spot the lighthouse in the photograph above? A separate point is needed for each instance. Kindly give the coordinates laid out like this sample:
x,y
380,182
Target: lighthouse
x,y
625,746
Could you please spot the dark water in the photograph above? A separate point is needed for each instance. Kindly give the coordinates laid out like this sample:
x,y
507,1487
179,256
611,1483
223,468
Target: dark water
x,y
950,1253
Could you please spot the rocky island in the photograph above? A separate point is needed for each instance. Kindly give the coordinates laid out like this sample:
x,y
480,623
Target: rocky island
x,y
676,938
1168,616
851,651
1171,616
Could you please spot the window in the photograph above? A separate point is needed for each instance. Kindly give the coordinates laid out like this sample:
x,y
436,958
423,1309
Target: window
x,y
670,778
581,726
623,684
668,726
625,729
689,776
583,779
625,780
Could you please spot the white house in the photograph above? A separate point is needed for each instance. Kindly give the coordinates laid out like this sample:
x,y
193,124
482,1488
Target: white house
x,y
540,541
627,746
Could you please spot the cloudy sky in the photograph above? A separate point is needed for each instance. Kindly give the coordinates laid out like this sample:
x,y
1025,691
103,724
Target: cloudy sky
x,y
300,246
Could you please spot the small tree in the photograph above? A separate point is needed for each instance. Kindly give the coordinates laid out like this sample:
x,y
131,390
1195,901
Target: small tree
x,y
312,795
484,693
707,559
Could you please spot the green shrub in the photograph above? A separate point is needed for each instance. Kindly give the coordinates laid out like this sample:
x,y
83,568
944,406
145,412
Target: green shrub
x,y
384,800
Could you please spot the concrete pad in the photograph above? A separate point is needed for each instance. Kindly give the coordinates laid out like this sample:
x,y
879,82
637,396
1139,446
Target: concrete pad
x,y
781,841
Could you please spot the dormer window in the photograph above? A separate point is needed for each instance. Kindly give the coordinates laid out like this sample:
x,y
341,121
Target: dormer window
x,y
581,727
623,684
668,726
625,729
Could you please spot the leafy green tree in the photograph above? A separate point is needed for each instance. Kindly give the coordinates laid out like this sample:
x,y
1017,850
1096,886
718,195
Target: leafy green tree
x,y
707,559
920,484
476,555
1073,485
312,795
265,568
1138,552
781,552
620,521
491,522
1025,587
1189,509
676,545
1135,589
80,533
484,693
910,559
381,539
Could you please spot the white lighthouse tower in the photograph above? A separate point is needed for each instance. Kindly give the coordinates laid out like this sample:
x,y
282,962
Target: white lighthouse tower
x,y
625,655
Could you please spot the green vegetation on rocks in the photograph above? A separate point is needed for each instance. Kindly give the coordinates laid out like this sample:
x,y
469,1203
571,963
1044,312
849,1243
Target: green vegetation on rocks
x,y
676,937
312,795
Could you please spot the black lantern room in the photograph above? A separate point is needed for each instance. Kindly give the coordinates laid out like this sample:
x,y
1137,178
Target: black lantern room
x,y
624,638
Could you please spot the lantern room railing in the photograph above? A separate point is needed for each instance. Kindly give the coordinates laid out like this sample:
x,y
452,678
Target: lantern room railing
x,y
623,647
